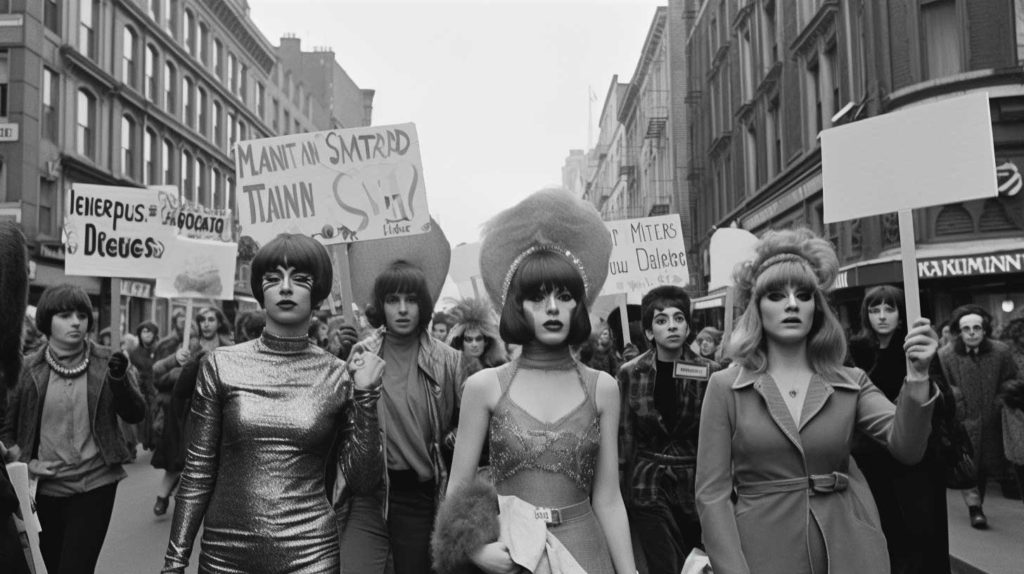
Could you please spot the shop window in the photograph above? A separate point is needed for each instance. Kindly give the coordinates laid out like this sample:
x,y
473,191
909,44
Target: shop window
x,y
954,220
994,218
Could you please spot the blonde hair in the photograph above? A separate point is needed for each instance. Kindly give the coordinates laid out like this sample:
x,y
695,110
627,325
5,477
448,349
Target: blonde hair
x,y
792,257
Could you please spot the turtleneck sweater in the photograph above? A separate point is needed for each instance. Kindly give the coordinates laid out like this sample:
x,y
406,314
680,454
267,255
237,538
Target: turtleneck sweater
x,y
403,407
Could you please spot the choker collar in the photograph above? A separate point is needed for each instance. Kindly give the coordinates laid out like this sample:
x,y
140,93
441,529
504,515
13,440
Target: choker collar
x,y
537,356
284,345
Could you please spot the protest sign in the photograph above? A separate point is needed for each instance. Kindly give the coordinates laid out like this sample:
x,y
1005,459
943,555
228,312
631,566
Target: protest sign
x,y
192,220
115,232
465,270
729,247
646,253
338,186
927,155
198,268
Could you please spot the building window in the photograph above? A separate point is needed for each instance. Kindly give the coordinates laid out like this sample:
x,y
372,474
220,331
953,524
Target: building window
x,y
771,41
261,100
167,160
189,32
243,82
814,100
274,111
203,119
232,129
128,67
51,103
832,85
188,101
750,159
232,73
202,190
128,146
287,122
148,149
5,81
746,65
188,175
85,134
153,9
170,86
774,134
172,17
243,131
51,15
204,44
150,87
217,185
88,12
218,133
218,58
47,206
942,42
1018,11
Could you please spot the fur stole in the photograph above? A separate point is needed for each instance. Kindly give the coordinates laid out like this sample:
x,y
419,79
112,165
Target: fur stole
x,y
466,520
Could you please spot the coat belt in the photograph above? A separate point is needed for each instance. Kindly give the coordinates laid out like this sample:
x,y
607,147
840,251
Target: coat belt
x,y
815,483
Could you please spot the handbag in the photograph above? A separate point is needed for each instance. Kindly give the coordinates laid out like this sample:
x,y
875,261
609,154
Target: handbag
x,y
958,456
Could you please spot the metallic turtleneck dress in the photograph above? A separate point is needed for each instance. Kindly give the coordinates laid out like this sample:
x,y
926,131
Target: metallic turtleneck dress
x,y
265,414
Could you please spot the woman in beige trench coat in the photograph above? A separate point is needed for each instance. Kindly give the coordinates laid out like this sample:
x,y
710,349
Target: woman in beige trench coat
x,y
777,491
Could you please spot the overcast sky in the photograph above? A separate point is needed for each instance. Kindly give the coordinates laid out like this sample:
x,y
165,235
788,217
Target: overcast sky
x,y
498,90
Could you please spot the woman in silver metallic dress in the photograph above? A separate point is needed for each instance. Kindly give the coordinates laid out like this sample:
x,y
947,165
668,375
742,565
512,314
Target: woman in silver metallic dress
x,y
551,421
265,415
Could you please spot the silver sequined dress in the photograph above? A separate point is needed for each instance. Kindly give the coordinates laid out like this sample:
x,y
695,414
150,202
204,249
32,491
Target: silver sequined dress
x,y
265,415
552,465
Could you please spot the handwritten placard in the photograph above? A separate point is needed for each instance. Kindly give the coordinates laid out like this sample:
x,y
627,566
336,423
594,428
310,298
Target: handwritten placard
x,y
198,268
338,186
646,253
192,220
115,232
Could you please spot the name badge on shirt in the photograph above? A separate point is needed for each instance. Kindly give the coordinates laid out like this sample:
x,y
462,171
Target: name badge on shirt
x,y
696,371
542,514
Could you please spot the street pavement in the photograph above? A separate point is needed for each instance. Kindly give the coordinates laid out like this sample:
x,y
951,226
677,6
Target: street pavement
x,y
137,539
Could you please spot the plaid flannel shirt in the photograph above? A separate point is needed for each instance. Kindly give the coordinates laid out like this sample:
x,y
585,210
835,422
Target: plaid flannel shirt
x,y
657,461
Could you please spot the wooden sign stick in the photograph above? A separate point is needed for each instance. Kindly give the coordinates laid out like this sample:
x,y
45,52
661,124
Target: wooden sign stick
x,y
115,313
908,252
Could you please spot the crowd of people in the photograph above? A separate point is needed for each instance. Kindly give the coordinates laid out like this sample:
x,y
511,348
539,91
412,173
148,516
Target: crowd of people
x,y
513,431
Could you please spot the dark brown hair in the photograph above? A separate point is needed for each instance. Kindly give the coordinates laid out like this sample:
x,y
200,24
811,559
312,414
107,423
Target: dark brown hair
x,y
301,252
401,277
541,273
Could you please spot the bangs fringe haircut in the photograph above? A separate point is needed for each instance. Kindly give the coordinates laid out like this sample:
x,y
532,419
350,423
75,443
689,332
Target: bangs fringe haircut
x,y
882,294
814,267
661,298
543,272
58,299
301,252
402,277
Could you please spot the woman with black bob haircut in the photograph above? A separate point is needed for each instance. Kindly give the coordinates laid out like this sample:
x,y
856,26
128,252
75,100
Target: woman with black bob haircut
x,y
401,277
265,414
552,422
63,417
911,499
542,273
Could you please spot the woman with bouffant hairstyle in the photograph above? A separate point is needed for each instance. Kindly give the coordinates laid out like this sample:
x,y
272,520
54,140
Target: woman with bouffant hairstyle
x,y
773,454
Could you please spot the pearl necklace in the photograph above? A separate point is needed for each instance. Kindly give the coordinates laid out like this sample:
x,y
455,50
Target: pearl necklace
x,y
65,372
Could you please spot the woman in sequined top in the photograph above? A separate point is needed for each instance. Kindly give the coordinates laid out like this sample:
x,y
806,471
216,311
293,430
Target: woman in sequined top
x,y
266,413
552,422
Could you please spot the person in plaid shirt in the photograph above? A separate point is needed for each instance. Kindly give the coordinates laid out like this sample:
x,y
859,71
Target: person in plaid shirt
x,y
658,432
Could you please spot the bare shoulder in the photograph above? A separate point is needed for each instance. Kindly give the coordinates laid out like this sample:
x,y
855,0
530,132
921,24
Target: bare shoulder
x,y
607,391
483,387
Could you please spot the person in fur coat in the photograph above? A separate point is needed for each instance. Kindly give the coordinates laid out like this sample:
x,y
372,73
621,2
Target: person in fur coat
x,y
979,365
1012,396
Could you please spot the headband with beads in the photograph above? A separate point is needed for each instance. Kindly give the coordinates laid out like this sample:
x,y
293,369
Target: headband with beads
x,y
781,258
576,262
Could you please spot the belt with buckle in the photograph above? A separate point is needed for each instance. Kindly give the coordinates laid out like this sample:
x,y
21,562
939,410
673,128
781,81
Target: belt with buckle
x,y
555,516
815,483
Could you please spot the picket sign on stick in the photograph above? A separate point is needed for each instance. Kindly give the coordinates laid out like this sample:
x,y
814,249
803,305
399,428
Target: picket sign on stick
x,y
624,319
926,155
730,246
340,254
187,336
115,313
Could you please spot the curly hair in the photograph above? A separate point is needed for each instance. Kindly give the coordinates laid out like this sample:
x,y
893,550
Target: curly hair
x,y
797,258
477,314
